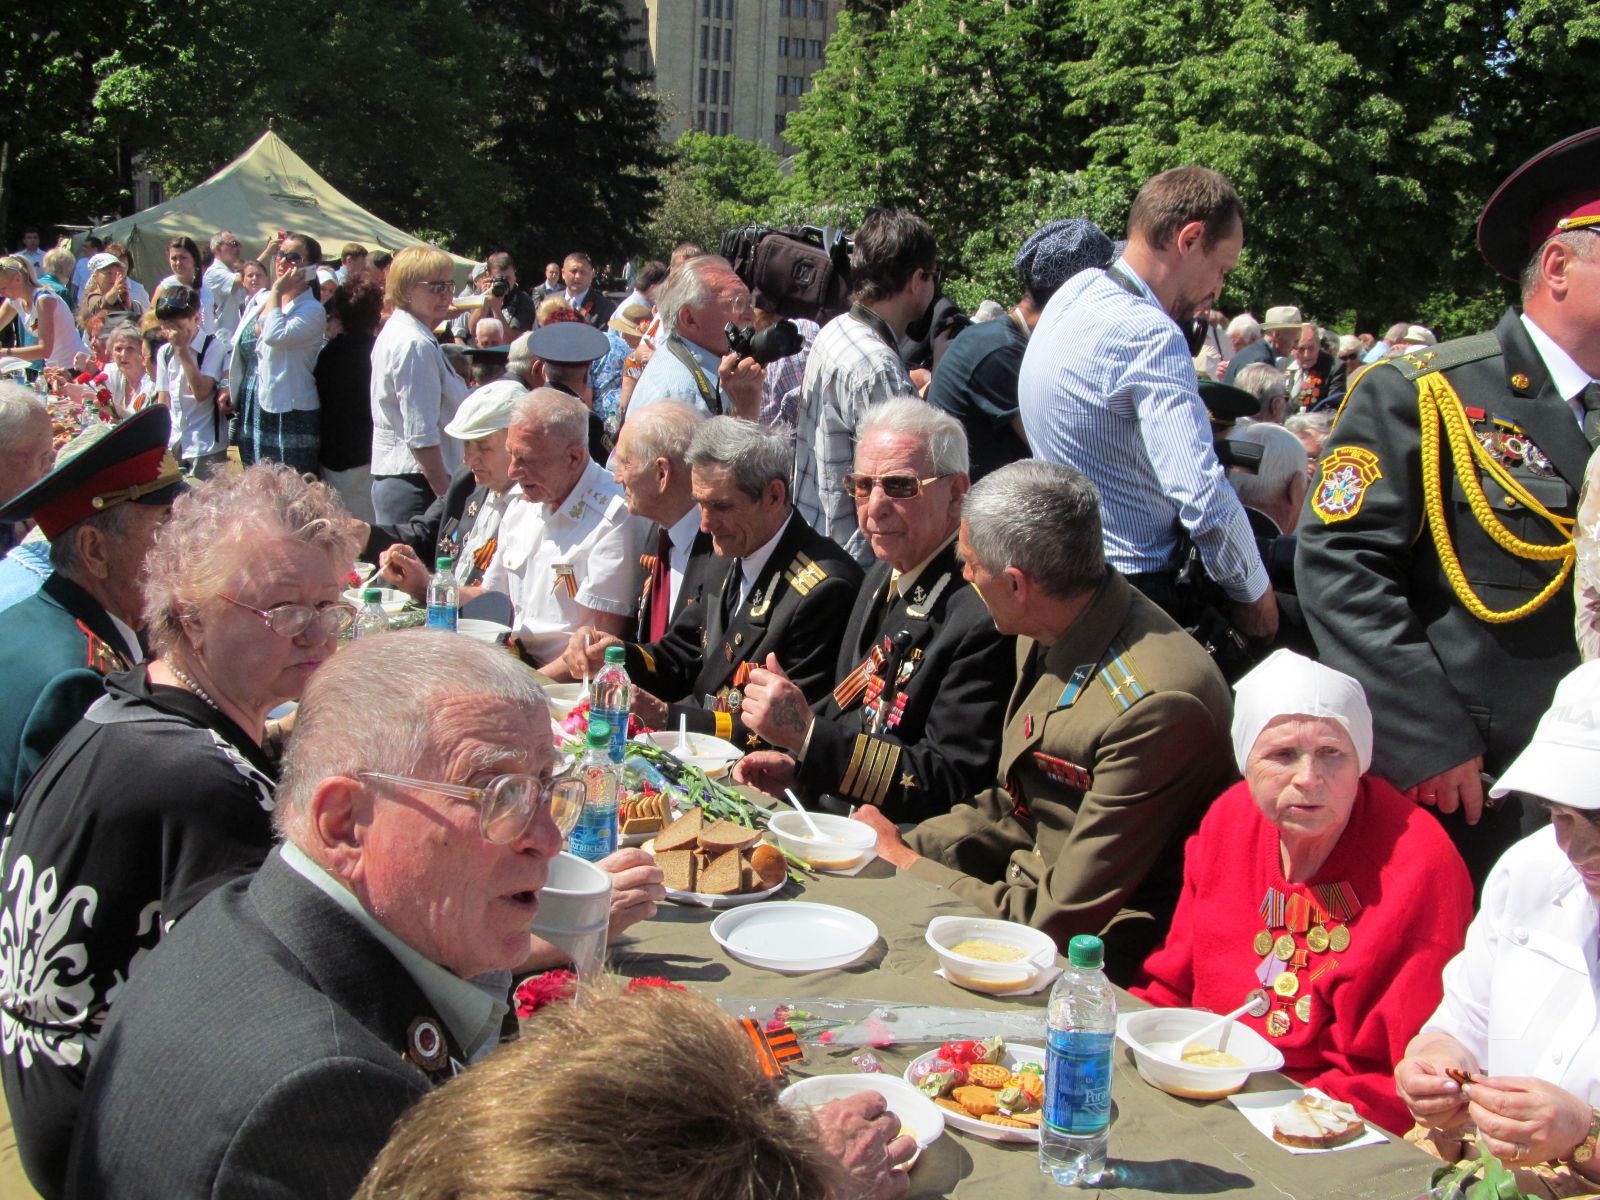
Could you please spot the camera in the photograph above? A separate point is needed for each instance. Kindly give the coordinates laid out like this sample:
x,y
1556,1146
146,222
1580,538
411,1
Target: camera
x,y
767,345
499,287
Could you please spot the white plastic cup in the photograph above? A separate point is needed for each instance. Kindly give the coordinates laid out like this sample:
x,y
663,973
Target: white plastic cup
x,y
575,911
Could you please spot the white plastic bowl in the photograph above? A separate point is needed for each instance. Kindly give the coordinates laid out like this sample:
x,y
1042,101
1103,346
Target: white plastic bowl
x,y
982,975
393,600
480,630
846,844
921,1117
710,754
1173,1026
563,697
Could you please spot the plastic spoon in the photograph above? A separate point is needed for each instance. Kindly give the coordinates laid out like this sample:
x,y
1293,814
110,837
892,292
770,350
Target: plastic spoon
x,y
806,817
683,735
1174,1050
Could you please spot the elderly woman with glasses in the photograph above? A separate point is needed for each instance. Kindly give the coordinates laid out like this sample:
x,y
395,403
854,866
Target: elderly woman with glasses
x,y
415,391
165,789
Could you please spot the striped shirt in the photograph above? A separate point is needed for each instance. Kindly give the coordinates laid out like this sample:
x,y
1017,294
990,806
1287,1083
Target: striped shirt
x,y
1107,387
851,368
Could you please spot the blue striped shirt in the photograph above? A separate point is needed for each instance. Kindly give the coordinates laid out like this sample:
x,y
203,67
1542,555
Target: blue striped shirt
x,y
1108,388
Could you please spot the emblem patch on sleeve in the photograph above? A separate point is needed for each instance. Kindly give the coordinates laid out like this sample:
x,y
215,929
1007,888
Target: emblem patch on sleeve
x,y
1346,474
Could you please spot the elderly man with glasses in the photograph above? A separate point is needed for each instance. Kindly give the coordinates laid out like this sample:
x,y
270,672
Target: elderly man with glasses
x,y
271,1040
922,676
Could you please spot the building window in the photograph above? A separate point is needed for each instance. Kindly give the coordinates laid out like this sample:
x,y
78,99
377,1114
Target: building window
x,y
730,10
727,87
702,85
716,7
705,41
705,8
700,120
783,8
777,125
716,45
819,11
783,85
816,48
795,85
783,47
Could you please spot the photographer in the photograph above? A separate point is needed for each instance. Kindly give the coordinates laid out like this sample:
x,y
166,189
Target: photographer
x,y
694,362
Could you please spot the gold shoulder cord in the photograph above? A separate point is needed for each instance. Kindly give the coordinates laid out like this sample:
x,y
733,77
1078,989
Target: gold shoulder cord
x,y
1439,405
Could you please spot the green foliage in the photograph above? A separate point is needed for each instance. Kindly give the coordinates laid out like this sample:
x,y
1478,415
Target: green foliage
x,y
714,184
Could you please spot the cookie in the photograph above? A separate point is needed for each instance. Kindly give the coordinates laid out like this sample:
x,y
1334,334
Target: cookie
x,y
942,1102
1030,1119
994,1118
1032,1084
976,1100
989,1075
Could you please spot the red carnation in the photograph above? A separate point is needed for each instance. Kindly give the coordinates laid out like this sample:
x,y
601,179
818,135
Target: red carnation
x,y
654,981
537,991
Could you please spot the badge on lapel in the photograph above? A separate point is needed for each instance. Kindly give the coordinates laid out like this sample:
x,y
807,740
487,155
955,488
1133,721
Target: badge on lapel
x,y
426,1046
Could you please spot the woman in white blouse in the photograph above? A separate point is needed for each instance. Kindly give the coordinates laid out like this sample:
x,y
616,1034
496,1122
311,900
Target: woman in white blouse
x,y
51,337
1520,1022
285,336
415,391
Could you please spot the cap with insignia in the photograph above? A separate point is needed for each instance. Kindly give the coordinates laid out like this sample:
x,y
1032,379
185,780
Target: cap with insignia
x,y
1225,403
1556,190
568,342
103,467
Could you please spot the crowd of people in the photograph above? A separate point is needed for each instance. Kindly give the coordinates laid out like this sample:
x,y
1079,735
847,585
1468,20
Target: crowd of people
x,y
1256,648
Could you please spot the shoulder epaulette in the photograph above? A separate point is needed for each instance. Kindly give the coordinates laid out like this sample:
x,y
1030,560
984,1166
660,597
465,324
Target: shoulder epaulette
x,y
803,573
1121,678
1426,360
103,658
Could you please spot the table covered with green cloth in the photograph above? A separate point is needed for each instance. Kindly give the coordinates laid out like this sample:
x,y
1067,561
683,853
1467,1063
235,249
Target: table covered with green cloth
x,y
1160,1145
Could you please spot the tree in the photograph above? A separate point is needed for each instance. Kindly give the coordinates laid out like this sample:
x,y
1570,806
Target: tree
x,y
715,183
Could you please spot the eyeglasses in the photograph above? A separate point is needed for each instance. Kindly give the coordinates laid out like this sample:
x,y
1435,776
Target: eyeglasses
x,y
292,257
231,243
508,804
896,487
439,287
291,620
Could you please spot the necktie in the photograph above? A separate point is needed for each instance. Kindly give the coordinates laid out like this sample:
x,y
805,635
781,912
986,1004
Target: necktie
x,y
661,588
730,593
1590,399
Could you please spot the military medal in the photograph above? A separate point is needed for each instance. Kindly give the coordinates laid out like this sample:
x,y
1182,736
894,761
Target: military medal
x,y
1286,984
1317,939
1264,942
1339,939
1283,947
1278,1023
1260,1003
566,580
1302,1008
1321,914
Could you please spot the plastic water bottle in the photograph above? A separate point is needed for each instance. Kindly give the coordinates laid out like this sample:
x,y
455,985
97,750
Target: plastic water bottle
x,y
444,595
595,834
1077,1093
611,700
371,619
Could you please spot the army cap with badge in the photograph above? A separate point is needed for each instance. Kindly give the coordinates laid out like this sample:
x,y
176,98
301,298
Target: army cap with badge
x,y
1555,191
105,466
567,343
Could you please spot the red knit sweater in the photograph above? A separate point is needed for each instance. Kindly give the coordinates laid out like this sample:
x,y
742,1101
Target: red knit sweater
x,y
1416,904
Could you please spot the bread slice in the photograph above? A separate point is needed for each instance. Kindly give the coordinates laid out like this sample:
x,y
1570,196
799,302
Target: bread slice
x,y
682,834
1312,1123
767,863
727,835
677,869
722,876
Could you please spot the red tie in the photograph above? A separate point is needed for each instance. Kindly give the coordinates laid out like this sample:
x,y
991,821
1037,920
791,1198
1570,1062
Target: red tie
x,y
661,588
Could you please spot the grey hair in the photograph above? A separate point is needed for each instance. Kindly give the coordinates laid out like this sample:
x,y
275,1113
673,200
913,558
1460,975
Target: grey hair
x,y
1309,422
1245,327
217,239
61,258
1265,382
936,429
1283,457
493,324
1041,518
549,414
371,708
1586,248
111,522
18,406
665,429
689,285
755,454
519,358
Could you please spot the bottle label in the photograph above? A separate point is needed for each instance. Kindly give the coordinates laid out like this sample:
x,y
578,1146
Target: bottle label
x,y
595,835
1077,1092
442,616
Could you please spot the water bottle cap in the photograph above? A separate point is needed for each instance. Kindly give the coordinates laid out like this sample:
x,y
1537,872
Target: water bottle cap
x,y
1086,952
372,596
599,734
443,563
616,654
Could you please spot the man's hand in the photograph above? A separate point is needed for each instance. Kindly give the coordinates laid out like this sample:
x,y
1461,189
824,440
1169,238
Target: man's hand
x,y
775,708
864,1136
766,771
921,377
1258,620
586,651
225,402
1459,787
742,380
180,338
399,567
649,708
1435,1100
636,887
892,847
1526,1121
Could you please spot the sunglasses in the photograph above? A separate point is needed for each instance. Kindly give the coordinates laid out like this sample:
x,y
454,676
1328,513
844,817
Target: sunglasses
x,y
291,620
896,487
439,287
292,257
507,804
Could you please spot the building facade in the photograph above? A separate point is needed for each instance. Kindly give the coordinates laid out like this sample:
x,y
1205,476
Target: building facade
x,y
733,66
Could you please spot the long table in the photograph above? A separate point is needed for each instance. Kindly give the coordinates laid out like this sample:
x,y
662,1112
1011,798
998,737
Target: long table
x,y
1160,1145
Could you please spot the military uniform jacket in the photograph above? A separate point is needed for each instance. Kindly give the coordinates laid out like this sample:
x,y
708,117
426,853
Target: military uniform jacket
x,y
442,530
701,569
56,647
1116,740
797,609
265,1048
930,738
1444,685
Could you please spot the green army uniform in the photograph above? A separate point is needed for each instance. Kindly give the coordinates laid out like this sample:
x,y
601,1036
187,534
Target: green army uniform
x,y
56,647
1116,741
1434,558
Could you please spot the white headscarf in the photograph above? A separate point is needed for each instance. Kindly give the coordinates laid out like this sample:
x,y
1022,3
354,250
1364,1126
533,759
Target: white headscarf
x,y
1288,684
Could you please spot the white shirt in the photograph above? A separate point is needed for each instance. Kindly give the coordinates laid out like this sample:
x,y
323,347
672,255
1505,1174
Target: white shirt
x,y
1566,376
590,532
227,294
415,393
197,428
751,565
287,349
1524,995
129,637
35,260
683,531
666,378
137,293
